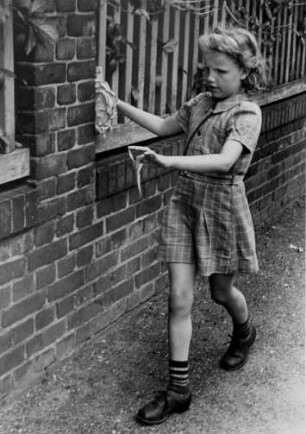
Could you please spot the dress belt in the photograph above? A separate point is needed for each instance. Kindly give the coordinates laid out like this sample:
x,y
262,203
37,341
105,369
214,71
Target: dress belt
x,y
218,179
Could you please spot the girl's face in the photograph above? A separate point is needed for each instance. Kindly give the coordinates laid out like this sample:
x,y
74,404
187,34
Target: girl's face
x,y
224,76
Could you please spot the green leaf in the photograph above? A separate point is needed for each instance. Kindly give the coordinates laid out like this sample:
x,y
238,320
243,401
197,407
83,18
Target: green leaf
x,y
170,46
49,31
31,41
37,7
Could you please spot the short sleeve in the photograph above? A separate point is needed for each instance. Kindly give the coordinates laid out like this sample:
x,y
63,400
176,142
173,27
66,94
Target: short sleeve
x,y
182,116
244,125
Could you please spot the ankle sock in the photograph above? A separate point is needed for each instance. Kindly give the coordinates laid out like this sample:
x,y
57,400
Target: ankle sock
x,y
242,331
179,376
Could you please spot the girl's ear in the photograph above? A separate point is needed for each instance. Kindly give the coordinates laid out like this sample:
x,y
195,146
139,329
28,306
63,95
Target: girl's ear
x,y
244,73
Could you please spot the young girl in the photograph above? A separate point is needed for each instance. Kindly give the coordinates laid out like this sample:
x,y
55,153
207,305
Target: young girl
x,y
207,226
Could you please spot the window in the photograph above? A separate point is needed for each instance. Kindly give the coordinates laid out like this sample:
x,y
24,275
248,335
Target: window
x,y
14,160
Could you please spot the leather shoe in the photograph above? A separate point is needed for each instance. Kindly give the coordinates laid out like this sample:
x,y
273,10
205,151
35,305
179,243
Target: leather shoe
x,y
238,351
162,405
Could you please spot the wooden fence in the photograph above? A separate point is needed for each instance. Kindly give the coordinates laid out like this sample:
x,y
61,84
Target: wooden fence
x,y
150,55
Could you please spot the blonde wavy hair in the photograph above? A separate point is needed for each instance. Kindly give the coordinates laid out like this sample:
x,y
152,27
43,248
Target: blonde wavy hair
x,y
242,47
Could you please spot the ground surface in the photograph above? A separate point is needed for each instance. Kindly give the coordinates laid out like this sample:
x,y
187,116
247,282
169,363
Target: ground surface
x,y
99,390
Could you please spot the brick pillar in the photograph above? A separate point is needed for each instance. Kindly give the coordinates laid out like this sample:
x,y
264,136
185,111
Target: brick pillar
x,y
53,212
56,110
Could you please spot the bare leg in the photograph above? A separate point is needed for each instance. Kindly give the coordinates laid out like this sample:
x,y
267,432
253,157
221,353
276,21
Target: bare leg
x,y
223,292
244,333
182,278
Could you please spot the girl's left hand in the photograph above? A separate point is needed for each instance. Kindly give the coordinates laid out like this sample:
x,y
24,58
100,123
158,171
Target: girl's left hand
x,y
151,157
145,155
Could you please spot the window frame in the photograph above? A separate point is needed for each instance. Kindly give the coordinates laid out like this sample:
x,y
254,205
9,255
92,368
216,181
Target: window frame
x,y
14,160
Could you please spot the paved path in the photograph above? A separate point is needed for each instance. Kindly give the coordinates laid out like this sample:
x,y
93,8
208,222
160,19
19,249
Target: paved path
x,y
99,390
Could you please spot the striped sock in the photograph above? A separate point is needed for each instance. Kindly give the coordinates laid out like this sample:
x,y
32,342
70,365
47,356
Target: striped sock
x,y
242,331
179,376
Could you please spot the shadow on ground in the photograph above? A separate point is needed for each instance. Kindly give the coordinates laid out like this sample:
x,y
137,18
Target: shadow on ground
x,y
99,390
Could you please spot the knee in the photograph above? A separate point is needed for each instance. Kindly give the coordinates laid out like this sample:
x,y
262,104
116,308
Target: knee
x,y
218,296
219,290
180,303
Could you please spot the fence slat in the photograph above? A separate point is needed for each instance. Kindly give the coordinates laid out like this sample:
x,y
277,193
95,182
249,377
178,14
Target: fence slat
x,y
185,58
142,56
175,61
129,52
102,33
152,90
165,36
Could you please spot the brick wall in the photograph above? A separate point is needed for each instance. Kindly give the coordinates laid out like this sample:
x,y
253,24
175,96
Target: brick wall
x,y
78,247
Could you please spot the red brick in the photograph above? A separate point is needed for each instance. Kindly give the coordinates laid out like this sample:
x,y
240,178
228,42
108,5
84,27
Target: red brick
x,y
44,234
5,218
18,211
83,315
132,266
80,114
80,198
87,5
65,49
31,209
86,91
147,275
11,270
47,254
99,267
66,139
22,309
66,285
5,296
116,221
134,248
84,236
81,157
24,287
52,209
5,341
46,189
84,256
66,94
84,294
41,74
23,331
103,284
116,293
36,98
44,339
49,165
111,204
12,359
44,318
45,276
41,144
111,242
66,266
84,217
65,225
65,183
81,25
86,48
81,70
85,177
65,306
86,134
66,6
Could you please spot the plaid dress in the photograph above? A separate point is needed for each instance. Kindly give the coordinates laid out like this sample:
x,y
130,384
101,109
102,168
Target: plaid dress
x,y
207,221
